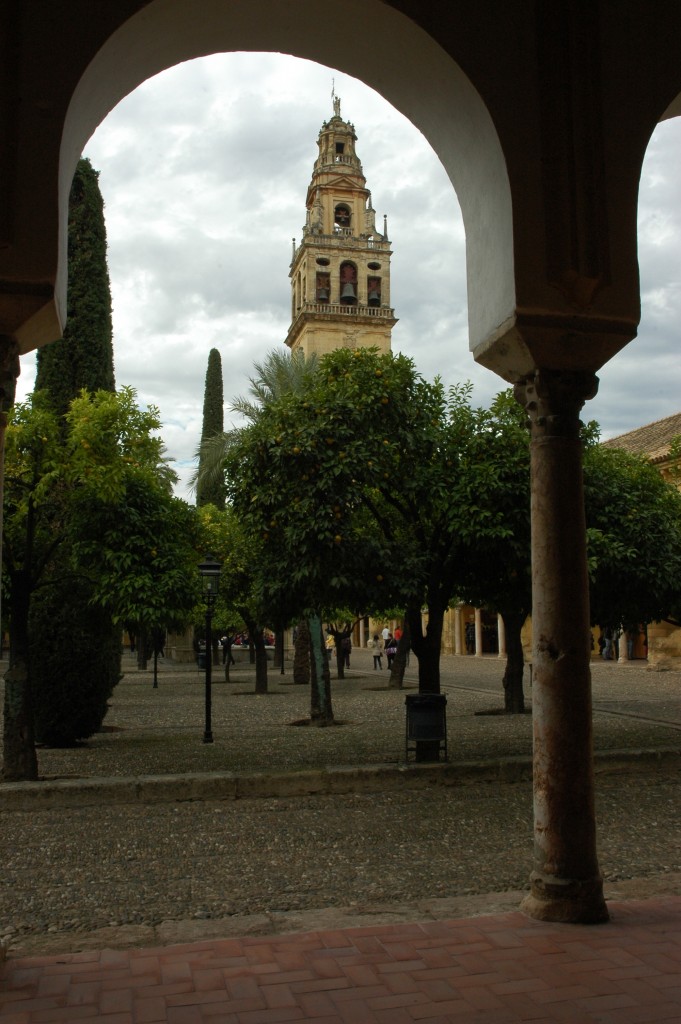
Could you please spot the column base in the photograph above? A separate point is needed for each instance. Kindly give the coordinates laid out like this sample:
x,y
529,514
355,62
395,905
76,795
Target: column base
x,y
566,901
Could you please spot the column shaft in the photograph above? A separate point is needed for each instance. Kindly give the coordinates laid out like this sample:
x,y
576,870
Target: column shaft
x,y
457,630
478,633
501,637
624,646
566,881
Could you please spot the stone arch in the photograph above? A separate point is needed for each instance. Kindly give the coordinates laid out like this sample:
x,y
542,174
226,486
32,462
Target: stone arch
x,y
430,89
541,114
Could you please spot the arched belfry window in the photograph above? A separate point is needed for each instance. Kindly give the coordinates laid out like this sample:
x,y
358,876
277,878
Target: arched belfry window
x,y
373,291
341,215
323,287
348,284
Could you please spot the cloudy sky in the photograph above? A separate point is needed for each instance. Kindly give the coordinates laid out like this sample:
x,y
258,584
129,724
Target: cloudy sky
x,y
204,171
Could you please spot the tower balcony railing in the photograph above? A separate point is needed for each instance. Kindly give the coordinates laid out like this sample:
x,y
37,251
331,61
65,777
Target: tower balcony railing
x,y
343,309
341,241
333,159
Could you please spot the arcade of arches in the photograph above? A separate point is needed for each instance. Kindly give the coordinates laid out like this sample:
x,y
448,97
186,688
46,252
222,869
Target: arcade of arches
x,y
540,112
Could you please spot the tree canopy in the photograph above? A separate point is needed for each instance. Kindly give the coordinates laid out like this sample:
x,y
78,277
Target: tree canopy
x,y
278,374
370,487
633,519
349,484
102,492
83,358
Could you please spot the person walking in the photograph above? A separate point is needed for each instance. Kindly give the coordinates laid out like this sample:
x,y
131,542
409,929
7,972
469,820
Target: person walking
x,y
378,652
226,644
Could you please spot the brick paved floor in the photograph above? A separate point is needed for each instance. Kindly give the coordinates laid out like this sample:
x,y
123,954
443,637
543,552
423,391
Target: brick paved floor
x,y
497,969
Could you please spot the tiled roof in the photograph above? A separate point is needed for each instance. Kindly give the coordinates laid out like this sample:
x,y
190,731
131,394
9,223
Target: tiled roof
x,y
653,440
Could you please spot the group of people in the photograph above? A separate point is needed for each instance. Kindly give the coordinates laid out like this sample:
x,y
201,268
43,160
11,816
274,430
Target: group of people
x,y
240,640
387,642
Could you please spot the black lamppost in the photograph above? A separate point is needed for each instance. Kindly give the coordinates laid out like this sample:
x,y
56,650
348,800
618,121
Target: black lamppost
x,y
210,581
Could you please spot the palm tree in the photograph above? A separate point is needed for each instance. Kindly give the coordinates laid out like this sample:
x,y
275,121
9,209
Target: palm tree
x,y
279,374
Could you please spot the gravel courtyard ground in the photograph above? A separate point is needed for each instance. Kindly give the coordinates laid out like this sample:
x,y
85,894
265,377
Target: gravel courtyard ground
x,y
141,874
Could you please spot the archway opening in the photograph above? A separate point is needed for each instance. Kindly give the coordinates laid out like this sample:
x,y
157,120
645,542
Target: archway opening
x,y
199,146
204,170
641,384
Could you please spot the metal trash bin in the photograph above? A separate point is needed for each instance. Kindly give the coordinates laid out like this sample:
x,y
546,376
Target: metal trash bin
x,y
201,661
426,723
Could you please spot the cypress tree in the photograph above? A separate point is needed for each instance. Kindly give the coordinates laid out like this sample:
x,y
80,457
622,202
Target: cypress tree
x,y
212,491
76,648
83,358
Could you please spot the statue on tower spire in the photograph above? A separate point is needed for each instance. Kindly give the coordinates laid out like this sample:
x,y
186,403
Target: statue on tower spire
x,y
335,99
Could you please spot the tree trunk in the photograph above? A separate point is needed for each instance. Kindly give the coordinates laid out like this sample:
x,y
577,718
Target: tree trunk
x,y
260,662
427,648
142,642
399,664
340,656
301,655
20,763
321,711
514,698
279,651
258,653
339,638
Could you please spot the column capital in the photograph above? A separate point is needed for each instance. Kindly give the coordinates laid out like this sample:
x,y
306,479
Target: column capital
x,y
10,369
553,400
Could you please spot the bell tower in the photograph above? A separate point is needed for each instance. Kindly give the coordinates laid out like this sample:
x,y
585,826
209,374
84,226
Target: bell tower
x,y
340,272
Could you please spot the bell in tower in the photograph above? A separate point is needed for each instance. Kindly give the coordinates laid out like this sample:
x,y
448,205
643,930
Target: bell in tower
x,y
348,284
374,291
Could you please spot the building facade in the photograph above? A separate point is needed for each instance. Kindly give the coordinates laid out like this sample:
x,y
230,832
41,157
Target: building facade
x,y
340,272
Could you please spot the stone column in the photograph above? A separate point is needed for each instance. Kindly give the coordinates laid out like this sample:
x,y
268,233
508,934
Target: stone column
x,y
501,637
457,630
623,646
566,884
478,633
362,641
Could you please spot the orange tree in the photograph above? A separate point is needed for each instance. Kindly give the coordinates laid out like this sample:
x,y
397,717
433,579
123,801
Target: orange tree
x,y
633,519
240,597
291,482
355,488
373,488
103,491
